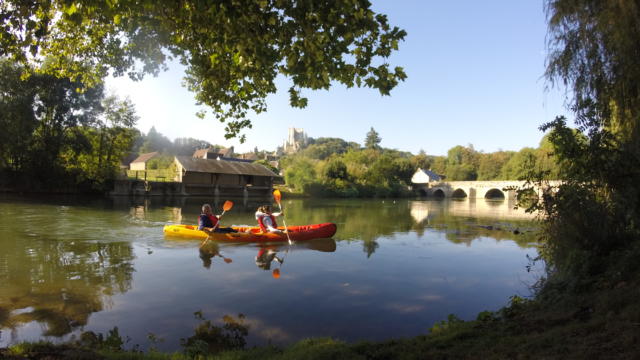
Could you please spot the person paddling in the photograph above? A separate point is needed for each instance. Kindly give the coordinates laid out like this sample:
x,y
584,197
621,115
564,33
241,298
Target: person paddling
x,y
209,222
267,219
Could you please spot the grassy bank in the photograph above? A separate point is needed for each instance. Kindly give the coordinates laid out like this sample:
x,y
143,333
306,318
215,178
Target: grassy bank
x,y
597,319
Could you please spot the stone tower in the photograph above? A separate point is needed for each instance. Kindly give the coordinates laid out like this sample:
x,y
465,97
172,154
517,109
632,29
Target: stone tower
x,y
296,141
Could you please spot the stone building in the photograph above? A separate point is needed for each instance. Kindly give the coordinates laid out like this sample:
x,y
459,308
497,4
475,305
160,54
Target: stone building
x,y
296,141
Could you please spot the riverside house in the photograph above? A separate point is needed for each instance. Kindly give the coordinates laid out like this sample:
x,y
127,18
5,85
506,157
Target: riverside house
x,y
224,177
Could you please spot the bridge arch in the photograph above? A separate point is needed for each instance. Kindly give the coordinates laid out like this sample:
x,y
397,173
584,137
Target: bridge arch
x,y
438,194
494,194
422,192
459,193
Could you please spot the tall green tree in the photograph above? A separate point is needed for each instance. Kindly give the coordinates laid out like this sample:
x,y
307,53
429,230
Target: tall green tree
x,y
372,140
41,114
462,163
594,47
109,140
520,165
233,51
155,141
490,165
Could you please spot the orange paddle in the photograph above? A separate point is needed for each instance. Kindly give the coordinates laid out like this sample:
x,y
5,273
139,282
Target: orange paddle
x,y
225,207
277,197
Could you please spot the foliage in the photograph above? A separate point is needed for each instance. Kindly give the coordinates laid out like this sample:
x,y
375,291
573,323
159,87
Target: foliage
x,y
346,170
233,51
336,169
55,135
300,173
593,50
155,141
187,146
422,160
519,165
322,148
372,141
266,164
490,165
209,339
109,139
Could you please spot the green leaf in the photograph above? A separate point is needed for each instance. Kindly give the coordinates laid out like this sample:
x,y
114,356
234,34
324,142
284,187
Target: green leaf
x,y
70,10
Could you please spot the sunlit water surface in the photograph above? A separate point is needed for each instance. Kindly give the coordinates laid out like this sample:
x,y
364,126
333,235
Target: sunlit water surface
x,y
393,269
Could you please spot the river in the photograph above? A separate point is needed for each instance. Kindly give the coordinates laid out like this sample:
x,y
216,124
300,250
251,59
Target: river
x,y
393,269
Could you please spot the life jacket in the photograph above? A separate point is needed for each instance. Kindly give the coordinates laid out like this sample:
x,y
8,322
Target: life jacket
x,y
212,219
263,227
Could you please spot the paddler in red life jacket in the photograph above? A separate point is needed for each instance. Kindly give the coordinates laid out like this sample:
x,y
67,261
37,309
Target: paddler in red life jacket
x,y
207,221
267,219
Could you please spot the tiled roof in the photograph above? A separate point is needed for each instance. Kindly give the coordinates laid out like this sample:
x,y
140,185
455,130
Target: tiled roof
x,y
433,176
223,167
200,153
145,157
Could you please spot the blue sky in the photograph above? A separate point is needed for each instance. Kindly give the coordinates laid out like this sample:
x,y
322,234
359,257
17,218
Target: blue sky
x,y
475,76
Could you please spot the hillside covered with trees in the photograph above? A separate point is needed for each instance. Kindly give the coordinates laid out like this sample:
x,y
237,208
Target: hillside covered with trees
x,y
335,167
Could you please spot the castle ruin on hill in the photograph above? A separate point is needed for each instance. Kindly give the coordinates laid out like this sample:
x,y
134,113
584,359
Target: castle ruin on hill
x,y
296,141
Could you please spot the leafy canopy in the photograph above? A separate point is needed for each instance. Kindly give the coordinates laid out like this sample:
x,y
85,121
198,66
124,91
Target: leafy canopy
x,y
233,49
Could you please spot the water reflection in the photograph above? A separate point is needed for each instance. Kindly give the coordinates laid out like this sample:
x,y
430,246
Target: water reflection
x,y
392,269
210,249
60,284
267,254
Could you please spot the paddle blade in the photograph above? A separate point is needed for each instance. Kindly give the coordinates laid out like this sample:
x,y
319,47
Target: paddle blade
x,y
228,261
276,273
227,205
277,196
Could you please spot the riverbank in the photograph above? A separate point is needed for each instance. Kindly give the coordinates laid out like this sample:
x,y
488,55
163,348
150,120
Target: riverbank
x,y
599,318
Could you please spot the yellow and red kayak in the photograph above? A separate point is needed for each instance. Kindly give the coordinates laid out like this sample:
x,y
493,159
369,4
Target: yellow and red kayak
x,y
254,234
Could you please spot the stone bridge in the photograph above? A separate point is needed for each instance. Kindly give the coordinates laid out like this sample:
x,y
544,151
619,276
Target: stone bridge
x,y
478,189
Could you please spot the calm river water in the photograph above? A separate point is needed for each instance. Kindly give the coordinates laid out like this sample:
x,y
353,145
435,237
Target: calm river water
x,y
393,269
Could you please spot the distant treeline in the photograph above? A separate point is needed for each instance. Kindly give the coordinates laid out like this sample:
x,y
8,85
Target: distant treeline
x,y
335,167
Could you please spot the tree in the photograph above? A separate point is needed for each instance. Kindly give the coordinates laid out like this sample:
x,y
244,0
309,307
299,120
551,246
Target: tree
x,y
187,146
323,148
266,164
593,50
462,163
155,141
490,165
372,141
233,51
520,165
40,116
422,161
300,173
336,169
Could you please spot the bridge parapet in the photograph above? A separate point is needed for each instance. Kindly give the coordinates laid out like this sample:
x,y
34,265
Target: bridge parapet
x,y
481,189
